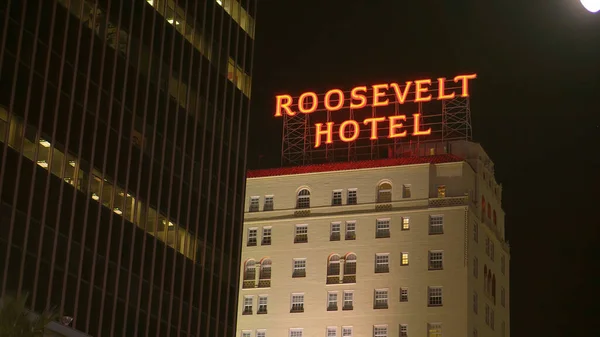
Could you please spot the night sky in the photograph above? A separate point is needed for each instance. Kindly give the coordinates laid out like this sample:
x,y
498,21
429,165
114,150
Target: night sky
x,y
534,107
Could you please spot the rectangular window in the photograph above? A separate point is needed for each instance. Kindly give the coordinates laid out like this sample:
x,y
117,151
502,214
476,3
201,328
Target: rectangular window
x,y
380,331
503,264
295,332
492,250
383,228
404,259
436,260
487,246
502,296
332,301
503,333
381,299
382,263
254,202
348,300
492,319
352,196
350,230
434,296
405,223
403,330
475,302
299,268
262,304
405,191
475,267
268,203
334,234
336,198
475,232
487,314
248,302
403,294
246,333
332,331
266,236
252,236
434,329
301,234
261,333
436,224
297,303
441,191
346,331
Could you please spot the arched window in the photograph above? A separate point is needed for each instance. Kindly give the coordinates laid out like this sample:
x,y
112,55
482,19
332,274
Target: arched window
x,y
489,211
250,270
265,269
482,207
303,200
350,264
384,192
333,265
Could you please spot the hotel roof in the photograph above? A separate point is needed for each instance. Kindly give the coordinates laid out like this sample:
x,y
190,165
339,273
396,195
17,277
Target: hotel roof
x,y
345,166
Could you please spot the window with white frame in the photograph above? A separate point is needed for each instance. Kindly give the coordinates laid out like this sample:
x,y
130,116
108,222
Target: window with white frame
x,y
262,304
347,331
296,332
332,301
436,260
261,333
336,198
502,296
350,230
403,294
303,200
352,196
299,268
266,236
434,329
254,203
475,232
384,192
383,228
434,296
334,234
436,224
348,300
475,302
404,259
475,267
301,234
252,236
405,191
382,263
297,304
405,223
380,331
332,331
381,299
248,302
403,330
246,333
269,204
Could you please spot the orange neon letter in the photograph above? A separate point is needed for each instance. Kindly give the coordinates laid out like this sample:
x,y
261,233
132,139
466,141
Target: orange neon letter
x,y
377,94
394,126
354,136
283,102
327,133
340,104
465,83
401,96
417,123
315,102
442,88
373,120
419,90
358,96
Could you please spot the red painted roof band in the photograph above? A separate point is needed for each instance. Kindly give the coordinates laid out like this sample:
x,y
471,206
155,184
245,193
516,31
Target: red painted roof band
x,y
343,166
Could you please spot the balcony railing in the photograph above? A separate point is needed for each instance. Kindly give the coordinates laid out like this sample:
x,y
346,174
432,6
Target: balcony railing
x,y
448,201
349,279
249,284
264,283
333,279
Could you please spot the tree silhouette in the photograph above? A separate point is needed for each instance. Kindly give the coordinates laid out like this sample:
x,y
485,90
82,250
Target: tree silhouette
x,y
17,321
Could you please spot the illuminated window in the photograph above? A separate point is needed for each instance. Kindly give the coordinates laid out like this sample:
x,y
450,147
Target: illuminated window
x,y
352,196
475,302
382,263
299,268
434,329
295,332
336,198
404,259
384,192
333,266
403,294
436,260
475,267
248,301
334,234
266,236
383,228
254,201
301,234
268,203
332,331
434,296
405,223
303,199
403,330
297,304
441,191
380,331
350,230
332,301
262,305
348,301
405,191
436,224
252,236
380,300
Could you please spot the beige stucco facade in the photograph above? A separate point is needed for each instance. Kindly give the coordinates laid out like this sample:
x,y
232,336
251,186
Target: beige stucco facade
x,y
424,257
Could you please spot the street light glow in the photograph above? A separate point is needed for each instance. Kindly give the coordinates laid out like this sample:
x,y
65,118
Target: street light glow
x,y
591,5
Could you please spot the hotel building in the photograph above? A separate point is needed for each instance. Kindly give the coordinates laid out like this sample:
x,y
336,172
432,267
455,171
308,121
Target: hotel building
x,y
410,246
123,127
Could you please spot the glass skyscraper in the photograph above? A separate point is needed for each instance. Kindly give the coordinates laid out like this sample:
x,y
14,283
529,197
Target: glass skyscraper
x,y
123,131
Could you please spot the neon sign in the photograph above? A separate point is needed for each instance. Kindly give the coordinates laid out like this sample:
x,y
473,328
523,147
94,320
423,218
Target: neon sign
x,y
377,95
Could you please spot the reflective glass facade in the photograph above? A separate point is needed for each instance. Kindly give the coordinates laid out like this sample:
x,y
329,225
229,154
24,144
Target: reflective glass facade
x,y
123,131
